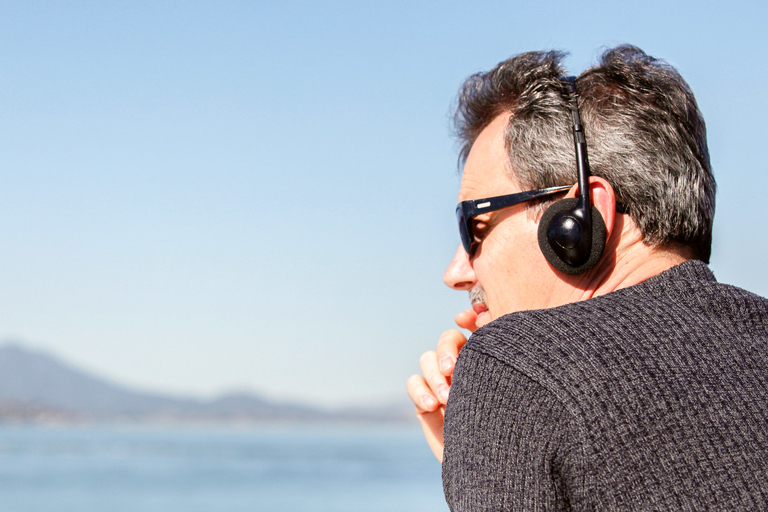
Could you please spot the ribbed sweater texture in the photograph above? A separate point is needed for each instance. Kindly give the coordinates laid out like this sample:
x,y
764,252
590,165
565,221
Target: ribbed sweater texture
x,y
653,397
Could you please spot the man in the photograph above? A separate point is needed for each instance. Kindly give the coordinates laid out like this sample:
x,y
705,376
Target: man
x,y
632,381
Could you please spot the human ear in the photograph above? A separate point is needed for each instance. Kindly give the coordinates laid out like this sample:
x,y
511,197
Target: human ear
x,y
604,199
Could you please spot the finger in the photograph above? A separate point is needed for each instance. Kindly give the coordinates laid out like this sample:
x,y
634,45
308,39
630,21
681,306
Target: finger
x,y
436,381
432,423
421,395
467,320
451,342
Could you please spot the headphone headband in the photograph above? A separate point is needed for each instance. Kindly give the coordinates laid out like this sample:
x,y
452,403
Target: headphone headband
x,y
580,144
571,231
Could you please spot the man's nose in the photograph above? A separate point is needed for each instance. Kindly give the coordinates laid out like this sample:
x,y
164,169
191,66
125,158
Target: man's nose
x,y
460,275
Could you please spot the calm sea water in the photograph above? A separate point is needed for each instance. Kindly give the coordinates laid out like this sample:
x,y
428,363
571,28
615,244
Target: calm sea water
x,y
276,469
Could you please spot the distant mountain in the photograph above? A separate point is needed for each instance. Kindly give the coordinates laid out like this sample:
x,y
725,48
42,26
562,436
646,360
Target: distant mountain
x,y
35,385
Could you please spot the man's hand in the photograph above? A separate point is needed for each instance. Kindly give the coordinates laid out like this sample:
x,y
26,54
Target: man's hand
x,y
429,391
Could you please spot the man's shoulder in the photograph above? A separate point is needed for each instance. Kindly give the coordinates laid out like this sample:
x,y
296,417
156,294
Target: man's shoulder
x,y
680,321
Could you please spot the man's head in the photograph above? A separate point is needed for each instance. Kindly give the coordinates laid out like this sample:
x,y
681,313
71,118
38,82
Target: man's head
x,y
647,149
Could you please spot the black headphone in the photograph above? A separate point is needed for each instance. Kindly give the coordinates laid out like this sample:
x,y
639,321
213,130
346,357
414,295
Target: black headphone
x,y
572,231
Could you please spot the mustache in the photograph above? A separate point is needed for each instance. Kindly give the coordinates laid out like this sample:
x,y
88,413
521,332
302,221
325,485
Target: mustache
x,y
477,295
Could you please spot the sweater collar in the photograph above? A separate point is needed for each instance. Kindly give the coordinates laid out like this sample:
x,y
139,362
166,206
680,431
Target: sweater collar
x,y
688,270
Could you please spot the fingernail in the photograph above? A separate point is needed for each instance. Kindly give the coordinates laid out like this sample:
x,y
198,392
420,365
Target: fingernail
x,y
429,402
446,363
443,391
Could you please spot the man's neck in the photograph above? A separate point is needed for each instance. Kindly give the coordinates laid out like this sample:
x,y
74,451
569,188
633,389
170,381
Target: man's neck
x,y
627,262
635,269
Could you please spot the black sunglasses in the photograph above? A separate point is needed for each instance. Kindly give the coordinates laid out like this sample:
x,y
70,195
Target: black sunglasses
x,y
468,210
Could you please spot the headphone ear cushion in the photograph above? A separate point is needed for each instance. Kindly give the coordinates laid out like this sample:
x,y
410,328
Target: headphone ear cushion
x,y
598,238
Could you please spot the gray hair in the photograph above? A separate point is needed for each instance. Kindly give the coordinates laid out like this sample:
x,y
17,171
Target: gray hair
x,y
645,136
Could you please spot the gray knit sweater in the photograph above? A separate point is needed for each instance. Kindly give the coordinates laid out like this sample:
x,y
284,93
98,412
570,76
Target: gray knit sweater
x,y
653,397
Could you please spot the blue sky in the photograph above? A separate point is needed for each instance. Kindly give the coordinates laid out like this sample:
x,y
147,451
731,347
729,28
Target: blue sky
x,y
204,196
